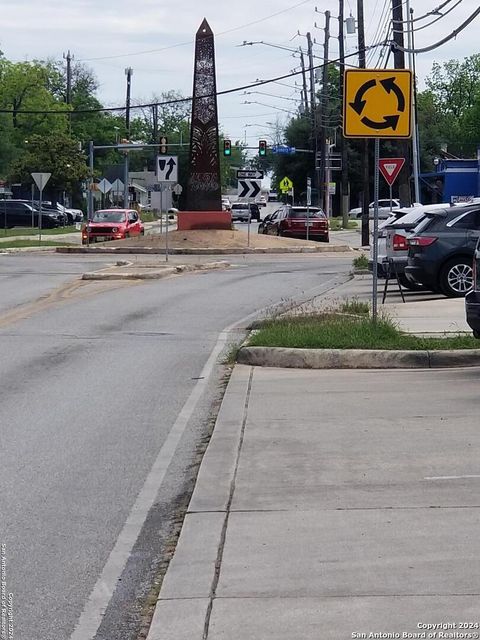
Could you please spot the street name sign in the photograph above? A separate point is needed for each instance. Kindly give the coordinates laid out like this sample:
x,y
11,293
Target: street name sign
x,y
283,149
248,188
390,168
377,103
254,174
167,168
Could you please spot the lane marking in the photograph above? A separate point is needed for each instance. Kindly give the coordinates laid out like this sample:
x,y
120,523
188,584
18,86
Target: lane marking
x,y
451,477
92,615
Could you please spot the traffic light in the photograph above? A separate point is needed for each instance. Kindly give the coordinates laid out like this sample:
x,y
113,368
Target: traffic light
x,y
163,145
227,148
262,148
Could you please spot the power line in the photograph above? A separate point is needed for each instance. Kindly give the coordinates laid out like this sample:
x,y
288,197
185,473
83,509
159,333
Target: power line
x,y
452,35
182,100
183,44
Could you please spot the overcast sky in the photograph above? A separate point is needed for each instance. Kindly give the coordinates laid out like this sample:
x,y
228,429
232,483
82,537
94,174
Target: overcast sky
x,y
156,38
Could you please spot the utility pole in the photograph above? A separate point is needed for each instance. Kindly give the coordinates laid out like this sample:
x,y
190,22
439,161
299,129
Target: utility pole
x,y
313,113
304,76
128,73
68,94
344,186
366,173
324,143
399,63
68,57
411,64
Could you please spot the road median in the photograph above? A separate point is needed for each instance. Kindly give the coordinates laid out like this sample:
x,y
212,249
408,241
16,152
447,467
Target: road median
x,y
147,272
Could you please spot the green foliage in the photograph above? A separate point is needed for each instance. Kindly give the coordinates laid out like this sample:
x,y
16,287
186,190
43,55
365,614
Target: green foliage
x,y
336,331
55,153
360,262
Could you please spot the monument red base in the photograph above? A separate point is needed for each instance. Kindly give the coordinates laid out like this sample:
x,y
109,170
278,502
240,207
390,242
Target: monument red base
x,y
190,220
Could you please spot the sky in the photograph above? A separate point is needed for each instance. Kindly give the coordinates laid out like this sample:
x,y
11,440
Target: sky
x,y
156,39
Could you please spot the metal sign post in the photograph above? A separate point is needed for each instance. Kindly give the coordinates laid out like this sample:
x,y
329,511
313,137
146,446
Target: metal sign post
x,y
166,235
309,202
375,230
41,180
249,220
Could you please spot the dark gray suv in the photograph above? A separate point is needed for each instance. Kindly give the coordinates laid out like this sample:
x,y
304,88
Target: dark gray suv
x,y
472,299
441,249
18,213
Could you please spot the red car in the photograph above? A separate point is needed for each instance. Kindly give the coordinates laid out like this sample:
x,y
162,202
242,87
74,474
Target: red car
x,y
112,224
292,222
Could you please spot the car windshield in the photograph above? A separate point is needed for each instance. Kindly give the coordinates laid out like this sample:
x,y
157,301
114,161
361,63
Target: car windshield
x,y
109,216
302,213
239,205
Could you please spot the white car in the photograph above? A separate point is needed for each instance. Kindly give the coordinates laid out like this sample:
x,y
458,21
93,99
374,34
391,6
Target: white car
x,y
385,208
226,204
262,201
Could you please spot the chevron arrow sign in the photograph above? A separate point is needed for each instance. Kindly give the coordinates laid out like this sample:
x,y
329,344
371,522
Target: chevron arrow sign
x,y
248,188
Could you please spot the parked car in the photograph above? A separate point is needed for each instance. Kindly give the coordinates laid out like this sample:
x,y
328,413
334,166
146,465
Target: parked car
x,y
441,249
20,213
244,211
292,222
385,207
112,224
472,299
226,204
262,201
262,227
272,196
392,241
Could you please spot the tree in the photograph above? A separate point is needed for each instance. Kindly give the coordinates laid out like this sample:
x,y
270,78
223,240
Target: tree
x,y
55,153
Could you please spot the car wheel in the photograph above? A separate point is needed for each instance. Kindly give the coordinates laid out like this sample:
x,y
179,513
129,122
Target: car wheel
x,y
476,334
456,278
279,233
142,232
409,284
127,235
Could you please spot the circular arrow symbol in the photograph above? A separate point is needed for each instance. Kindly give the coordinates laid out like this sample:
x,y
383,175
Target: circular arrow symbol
x,y
389,121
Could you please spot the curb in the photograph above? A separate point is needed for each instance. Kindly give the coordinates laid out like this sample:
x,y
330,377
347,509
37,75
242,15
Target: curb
x,y
153,275
207,250
356,358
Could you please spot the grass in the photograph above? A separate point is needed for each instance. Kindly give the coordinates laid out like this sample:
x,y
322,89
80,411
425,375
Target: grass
x,y
336,224
360,262
355,307
16,244
333,331
33,231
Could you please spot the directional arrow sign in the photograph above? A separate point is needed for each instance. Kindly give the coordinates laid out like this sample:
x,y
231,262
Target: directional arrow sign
x,y
167,168
253,174
390,168
248,188
104,185
377,104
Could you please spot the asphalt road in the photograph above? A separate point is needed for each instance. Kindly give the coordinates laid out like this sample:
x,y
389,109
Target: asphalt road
x,y
102,421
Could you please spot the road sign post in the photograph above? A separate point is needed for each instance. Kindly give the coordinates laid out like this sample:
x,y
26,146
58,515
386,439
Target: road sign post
x,y
41,180
309,202
375,230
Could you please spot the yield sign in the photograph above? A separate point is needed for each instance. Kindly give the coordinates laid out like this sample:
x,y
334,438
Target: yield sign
x,y
41,179
390,168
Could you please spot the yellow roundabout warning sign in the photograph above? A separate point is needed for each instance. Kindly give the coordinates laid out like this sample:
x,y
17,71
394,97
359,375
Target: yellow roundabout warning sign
x,y
377,103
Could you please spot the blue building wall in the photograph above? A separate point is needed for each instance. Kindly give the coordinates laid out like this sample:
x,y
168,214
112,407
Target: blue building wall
x,y
451,178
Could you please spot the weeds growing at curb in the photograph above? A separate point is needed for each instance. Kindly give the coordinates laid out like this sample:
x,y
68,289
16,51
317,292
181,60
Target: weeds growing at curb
x,y
329,330
360,262
336,224
355,307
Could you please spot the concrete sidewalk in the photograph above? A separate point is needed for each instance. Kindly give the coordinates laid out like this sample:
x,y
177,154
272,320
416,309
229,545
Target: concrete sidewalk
x,y
330,504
